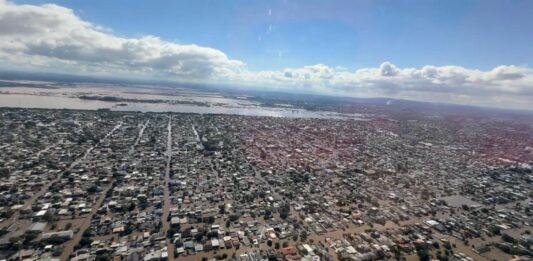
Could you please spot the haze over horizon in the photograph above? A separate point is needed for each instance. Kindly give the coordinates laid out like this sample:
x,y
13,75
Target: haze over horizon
x,y
463,52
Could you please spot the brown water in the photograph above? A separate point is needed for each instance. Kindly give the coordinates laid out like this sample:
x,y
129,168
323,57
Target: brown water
x,y
66,98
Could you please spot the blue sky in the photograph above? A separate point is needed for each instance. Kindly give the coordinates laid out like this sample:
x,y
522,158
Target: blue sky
x,y
351,34
457,51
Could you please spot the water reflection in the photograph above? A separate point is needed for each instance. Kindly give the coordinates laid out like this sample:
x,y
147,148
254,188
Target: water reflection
x,y
62,102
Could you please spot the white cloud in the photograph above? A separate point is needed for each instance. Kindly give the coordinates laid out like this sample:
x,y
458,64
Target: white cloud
x,y
388,69
55,37
503,86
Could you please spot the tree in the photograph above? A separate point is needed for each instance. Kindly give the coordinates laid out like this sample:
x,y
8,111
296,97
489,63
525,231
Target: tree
x,y
303,236
87,232
103,257
131,207
210,220
507,238
212,234
49,217
85,241
284,214
503,247
7,214
494,230
29,236
268,214
92,189
172,230
57,251
423,254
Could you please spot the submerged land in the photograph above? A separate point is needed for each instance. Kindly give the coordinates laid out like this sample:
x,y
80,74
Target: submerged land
x,y
316,179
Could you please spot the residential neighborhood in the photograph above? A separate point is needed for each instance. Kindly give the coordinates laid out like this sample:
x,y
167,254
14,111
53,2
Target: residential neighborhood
x,y
101,185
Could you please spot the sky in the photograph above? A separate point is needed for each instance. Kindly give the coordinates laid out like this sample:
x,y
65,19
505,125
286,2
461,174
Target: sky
x,y
456,51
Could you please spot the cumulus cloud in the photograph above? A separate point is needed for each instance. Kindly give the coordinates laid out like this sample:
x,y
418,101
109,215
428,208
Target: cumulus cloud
x,y
500,80
503,86
388,69
51,34
55,37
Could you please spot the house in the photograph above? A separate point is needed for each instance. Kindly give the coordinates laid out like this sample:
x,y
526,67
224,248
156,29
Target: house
x,y
66,234
37,226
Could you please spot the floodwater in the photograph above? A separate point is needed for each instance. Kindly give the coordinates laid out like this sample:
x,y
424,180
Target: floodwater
x,y
67,99
458,201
